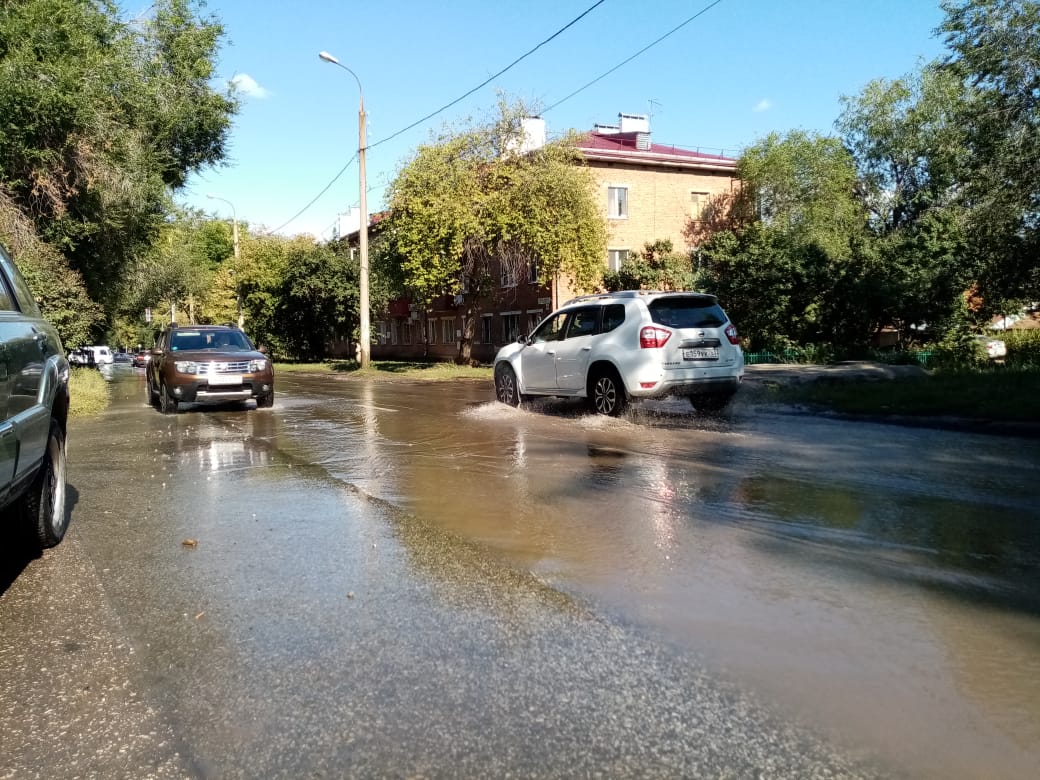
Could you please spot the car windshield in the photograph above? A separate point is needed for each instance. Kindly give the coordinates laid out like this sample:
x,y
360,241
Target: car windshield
x,y
222,340
687,313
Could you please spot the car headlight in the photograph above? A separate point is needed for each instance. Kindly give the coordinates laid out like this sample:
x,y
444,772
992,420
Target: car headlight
x,y
186,367
257,365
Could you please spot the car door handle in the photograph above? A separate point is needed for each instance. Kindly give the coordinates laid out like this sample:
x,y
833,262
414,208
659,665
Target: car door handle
x,y
550,352
586,349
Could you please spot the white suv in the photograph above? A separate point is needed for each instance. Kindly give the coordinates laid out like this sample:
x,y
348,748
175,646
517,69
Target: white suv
x,y
615,347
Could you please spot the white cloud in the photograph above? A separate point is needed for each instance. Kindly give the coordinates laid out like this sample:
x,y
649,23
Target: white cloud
x,y
246,84
763,105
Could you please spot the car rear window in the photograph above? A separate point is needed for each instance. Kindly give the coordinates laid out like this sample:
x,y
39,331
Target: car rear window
x,y
687,313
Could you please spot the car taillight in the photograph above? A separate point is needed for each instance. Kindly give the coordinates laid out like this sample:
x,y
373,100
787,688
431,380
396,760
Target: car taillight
x,y
731,334
653,338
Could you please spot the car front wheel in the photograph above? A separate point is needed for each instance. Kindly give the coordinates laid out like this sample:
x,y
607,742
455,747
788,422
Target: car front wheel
x,y
167,403
265,401
507,390
606,393
42,507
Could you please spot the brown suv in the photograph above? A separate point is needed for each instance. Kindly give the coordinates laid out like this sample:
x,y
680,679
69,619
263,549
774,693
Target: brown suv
x,y
207,364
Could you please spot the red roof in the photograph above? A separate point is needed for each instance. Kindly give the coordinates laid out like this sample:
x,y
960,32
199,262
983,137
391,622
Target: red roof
x,y
623,146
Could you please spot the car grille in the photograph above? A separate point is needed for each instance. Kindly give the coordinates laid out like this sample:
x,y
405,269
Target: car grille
x,y
218,367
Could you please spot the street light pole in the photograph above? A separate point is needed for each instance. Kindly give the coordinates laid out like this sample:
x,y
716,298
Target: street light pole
x,y
365,340
234,241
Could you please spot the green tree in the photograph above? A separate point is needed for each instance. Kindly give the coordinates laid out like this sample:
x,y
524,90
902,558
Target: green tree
x,y
319,298
657,267
103,119
470,206
995,50
908,144
791,269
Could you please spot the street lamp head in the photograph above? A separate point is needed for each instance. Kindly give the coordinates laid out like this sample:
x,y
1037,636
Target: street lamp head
x,y
328,57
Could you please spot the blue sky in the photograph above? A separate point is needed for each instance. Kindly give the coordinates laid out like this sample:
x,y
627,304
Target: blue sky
x,y
742,69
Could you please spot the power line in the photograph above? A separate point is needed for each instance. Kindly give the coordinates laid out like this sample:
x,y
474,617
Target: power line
x,y
316,197
495,76
625,62
445,107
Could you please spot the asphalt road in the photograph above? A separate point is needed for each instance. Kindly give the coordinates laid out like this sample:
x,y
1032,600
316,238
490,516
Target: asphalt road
x,y
224,606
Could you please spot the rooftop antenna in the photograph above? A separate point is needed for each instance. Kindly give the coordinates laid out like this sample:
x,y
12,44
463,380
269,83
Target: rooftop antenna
x,y
650,109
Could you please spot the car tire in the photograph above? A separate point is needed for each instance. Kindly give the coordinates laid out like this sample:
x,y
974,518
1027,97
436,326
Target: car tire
x,y
42,507
507,389
711,403
150,395
606,394
167,403
265,401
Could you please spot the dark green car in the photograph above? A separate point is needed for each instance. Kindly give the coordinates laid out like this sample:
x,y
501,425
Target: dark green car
x,y
34,407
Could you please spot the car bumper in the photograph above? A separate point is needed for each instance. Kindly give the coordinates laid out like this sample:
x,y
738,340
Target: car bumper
x,y
200,391
721,380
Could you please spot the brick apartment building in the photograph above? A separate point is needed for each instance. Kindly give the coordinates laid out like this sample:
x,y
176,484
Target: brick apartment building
x,y
648,191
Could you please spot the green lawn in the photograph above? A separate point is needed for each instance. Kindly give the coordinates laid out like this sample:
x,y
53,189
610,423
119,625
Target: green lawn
x,y
437,372
998,394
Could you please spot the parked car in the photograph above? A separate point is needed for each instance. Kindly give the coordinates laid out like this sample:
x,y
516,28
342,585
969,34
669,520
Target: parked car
x,y
207,364
140,359
995,349
616,347
82,357
102,355
34,407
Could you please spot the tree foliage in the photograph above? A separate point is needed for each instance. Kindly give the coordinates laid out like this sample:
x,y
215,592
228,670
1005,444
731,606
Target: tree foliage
x,y
995,52
103,118
470,205
657,267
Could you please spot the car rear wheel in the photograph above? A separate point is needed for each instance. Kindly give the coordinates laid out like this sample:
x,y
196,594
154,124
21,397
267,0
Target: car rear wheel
x,y
265,401
42,507
606,393
167,403
149,393
507,390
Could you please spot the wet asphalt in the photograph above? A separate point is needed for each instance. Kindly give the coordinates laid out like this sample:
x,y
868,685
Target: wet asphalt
x,y
225,607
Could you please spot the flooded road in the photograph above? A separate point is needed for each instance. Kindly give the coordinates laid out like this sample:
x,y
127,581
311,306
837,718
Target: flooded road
x,y
394,578
878,581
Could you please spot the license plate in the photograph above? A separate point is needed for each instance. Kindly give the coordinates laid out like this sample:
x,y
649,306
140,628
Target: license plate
x,y
225,379
703,353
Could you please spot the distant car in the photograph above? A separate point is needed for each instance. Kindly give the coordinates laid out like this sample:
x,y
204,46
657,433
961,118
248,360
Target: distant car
x,y
140,359
995,349
616,347
207,364
122,357
82,357
34,407
102,355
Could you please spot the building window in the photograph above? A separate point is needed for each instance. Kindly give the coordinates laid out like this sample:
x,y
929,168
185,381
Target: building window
x,y
485,329
510,326
532,272
448,331
431,331
617,202
508,275
698,202
615,257
406,332
395,327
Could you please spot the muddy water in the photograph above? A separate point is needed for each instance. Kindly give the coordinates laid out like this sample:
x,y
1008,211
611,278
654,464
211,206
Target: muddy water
x,y
879,583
